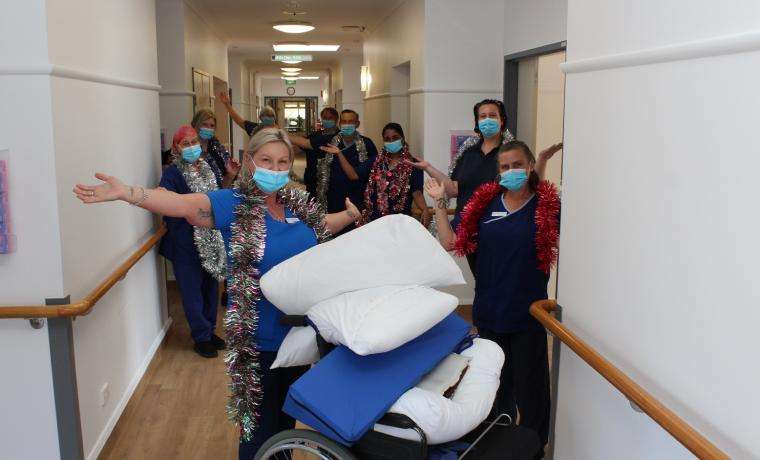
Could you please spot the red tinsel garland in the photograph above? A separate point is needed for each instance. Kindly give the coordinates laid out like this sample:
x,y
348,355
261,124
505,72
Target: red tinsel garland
x,y
387,184
546,218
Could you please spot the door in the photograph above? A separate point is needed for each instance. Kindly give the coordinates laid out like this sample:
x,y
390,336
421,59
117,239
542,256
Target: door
x,y
222,117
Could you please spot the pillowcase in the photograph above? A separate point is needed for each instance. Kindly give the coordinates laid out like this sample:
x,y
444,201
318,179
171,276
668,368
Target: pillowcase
x,y
298,349
380,319
393,250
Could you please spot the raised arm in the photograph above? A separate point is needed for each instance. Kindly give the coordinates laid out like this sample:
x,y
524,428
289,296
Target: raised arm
x,y
449,185
224,98
193,207
337,221
446,234
544,158
300,141
347,168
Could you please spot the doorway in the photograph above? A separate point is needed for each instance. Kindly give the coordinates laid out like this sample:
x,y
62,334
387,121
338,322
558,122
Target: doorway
x,y
222,117
295,114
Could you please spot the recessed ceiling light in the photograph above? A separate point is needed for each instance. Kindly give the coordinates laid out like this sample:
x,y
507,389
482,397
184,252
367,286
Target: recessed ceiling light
x,y
310,77
290,69
293,27
292,62
298,47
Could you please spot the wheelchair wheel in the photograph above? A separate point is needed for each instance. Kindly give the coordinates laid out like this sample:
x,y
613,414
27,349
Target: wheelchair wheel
x,y
302,445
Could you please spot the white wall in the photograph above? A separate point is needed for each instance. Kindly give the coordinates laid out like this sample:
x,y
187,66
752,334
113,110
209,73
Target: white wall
x,y
528,25
113,344
659,238
398,39
240,84
276,87
205,49
28,427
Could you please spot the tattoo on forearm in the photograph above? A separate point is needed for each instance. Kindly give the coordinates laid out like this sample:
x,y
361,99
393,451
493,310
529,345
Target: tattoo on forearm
x,y
205,214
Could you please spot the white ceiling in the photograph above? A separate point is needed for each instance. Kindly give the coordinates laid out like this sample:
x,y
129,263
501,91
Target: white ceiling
x,y
247,26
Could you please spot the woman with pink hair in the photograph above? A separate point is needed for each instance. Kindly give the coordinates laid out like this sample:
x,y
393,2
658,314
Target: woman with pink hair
x,y
197,254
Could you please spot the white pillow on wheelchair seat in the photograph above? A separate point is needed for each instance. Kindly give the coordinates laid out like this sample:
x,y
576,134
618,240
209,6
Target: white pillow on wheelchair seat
x,y
380,319
443,419
393,250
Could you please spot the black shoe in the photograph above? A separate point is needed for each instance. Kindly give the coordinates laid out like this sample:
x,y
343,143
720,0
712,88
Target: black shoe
x,y
206,349
218,342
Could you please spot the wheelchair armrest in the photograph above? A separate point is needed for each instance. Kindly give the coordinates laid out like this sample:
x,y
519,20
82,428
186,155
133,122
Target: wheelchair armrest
x,y
397,421
293,320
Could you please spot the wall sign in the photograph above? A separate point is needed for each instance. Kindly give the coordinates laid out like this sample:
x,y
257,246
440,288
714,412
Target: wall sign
x,y
292,57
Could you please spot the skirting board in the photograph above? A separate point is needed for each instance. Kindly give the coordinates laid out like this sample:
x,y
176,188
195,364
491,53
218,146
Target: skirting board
x,y
106,433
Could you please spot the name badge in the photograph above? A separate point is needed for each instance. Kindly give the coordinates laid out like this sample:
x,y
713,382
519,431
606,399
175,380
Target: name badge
x,y
499,214
292,220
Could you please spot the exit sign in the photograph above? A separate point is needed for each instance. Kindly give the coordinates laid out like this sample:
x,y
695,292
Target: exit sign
x,y
292,57
290,82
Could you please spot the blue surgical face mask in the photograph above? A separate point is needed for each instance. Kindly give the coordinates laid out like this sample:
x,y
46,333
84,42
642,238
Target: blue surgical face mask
x,y
394,147
267,121
328,124
489,127
270,181
513,179
192,153
347,130
206,133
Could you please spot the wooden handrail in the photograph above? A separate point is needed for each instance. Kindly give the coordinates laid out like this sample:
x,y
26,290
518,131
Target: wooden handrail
x,y
666,418
83,306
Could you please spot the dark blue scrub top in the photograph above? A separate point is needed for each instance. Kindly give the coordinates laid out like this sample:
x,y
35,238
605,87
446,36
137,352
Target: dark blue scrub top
x,y
341,186
509,279
283,241
178,244
317,139
416,179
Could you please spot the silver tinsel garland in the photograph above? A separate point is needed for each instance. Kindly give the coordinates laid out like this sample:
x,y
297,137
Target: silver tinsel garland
x,y
200,178
324,165
247,245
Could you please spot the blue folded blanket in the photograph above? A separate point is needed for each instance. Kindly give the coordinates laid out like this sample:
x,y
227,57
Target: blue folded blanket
x,y
344,394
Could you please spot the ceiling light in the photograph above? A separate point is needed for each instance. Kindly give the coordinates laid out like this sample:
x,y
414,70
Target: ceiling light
x,y
292,62
310,77
298,47
290,69
291,74
293,27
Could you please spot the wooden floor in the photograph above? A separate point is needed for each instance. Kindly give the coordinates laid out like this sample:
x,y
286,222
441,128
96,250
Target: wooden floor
x,y
178,409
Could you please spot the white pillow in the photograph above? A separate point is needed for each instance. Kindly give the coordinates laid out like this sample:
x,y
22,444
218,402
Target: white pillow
x,y
393,250
444,420
298,349
380,319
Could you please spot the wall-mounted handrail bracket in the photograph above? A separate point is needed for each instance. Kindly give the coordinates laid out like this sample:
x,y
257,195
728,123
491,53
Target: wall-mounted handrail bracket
x,y
635,407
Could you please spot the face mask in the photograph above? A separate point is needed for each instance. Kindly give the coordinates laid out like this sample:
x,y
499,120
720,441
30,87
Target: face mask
x,y
267,121
394,147
513,179
489,126
328,124
192,153
206,133
347,130
270,181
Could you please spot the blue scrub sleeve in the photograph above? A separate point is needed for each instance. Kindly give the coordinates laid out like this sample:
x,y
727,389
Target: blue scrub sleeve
x,y
223,203
170,179
417,180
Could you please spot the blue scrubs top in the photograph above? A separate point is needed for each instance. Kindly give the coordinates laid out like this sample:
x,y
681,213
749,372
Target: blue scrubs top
x,y
509,279
283,241
178,244
341,186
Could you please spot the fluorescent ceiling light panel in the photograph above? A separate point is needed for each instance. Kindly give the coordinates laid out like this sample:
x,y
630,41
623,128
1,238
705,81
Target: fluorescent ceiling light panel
x,y
302,47
310,77
290,69
292,62
293,27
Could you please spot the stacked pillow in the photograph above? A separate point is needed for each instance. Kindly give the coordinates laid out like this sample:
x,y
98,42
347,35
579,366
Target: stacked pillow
x,y
370,289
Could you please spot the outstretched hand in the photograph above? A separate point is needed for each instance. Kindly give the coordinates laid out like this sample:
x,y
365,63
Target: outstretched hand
x,y
224,98
232,167
110,190
422,164
435,189
332,149
352,210
549,152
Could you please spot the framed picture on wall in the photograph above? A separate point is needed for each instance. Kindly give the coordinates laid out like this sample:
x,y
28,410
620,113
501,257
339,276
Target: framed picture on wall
x,y
457,138
202,89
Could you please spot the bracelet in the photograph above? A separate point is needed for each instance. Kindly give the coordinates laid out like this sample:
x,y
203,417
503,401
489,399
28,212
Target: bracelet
x,y
442,203
144,197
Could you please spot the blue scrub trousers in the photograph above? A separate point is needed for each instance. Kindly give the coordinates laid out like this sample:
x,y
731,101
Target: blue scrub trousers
x,y
199,291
